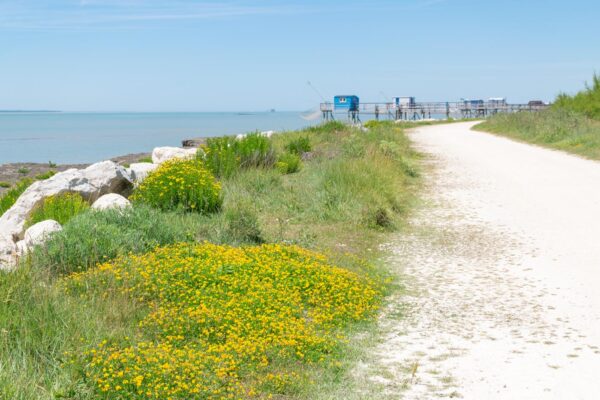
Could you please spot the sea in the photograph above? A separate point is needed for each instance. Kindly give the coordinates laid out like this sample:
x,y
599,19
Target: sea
x,y
68,137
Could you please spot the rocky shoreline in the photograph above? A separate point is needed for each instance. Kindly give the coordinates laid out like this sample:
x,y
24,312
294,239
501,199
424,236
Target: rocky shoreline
x,y
104,184
13,172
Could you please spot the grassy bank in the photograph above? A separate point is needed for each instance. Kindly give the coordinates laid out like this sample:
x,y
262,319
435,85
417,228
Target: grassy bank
x,y
555,128
571,124
101,300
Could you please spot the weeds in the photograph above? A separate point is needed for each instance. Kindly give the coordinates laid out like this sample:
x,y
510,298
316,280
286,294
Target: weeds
x,y
10,197
45,175
60,207
288,163
556,128
299,145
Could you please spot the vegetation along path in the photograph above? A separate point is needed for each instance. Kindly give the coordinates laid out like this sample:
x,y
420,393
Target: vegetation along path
x,y
502,268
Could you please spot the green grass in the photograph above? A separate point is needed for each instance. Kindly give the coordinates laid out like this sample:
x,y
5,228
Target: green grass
x,y
226,156
4,184
586,102
288,163
61,208
10,197
555,128
45,175
355,189
571,124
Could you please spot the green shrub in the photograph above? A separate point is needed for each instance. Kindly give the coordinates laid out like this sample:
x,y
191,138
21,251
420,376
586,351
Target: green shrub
x,y
585,102
299,145
23,170
180,184
242,226
225,156
97,236
255,150
220,156
145,160
61,208
288,163
51,164
45,175
10,197
5,184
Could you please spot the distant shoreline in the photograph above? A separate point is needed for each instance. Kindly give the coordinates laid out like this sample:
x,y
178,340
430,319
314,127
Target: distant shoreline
x,y
29,111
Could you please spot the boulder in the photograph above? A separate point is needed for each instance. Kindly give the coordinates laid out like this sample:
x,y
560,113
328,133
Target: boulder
x,y
91,183
162,154
37,234
111,201
139,171
7,252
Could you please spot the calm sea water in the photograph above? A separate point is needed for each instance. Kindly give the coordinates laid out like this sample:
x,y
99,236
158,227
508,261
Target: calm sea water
x,y
89,137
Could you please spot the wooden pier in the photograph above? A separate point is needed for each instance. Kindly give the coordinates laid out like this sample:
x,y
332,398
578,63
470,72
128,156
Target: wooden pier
x,y
428,110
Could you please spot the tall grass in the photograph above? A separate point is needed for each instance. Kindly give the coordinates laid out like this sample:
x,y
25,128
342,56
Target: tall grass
x,y
586,102
556,128
225,156
572,123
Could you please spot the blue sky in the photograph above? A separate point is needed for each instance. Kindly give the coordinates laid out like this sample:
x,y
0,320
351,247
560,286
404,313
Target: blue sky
x,y
175,55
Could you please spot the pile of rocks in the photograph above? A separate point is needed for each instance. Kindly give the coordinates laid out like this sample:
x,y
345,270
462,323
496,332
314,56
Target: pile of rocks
x,y
105,185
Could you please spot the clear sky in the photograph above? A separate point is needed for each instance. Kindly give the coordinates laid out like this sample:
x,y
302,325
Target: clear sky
x,y
175,55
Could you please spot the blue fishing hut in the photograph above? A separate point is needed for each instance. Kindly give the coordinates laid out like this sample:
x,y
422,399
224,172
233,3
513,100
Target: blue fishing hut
x,y
349,103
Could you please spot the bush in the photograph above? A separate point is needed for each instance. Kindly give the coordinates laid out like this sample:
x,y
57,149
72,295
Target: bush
x,y
10,197
585,102
4,184
242,226
299,145
256,150
180,184
221,157
222,322
97,236
61,208
288,163
226,155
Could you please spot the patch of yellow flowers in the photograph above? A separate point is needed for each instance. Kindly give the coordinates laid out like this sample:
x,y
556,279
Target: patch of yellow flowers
x,y
180,183
224,322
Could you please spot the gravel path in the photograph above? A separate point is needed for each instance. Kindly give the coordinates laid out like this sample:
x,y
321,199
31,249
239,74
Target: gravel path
x,y
502,275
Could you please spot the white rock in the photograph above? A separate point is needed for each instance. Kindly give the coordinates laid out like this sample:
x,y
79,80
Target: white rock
x,y
111,201
240,136
7,252
91,183
37,234
139,171
162,154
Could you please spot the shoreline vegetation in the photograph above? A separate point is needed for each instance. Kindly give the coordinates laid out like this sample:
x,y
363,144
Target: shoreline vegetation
x,y
572,124
244,273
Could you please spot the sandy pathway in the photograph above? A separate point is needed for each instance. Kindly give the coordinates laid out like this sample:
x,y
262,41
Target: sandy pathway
x,y
503,272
